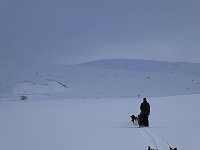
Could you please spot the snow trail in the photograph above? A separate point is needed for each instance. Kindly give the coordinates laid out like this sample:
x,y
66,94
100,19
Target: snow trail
x,y
153,140
150,140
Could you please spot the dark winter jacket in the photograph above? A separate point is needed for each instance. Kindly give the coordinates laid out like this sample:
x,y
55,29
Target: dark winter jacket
x,y
145,108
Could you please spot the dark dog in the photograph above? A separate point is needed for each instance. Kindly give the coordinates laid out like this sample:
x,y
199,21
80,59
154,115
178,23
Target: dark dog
x,y
134,119
149,148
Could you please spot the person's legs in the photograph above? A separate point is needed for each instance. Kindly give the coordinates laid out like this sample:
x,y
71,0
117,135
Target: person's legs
x,y
145,120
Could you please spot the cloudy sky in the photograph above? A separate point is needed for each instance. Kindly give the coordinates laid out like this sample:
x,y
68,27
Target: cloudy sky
x,y
74,31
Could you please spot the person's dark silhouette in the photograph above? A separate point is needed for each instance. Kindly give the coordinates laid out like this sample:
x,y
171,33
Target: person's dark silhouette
x,y
145,111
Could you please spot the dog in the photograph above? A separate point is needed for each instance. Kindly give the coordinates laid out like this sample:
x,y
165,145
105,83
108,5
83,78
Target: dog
x,y
134,120
149,148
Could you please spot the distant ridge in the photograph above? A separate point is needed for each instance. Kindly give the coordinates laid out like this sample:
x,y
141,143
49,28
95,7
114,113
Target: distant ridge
x,y
144,65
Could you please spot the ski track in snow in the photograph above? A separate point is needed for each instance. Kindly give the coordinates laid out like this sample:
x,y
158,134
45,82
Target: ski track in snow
x,y
153,140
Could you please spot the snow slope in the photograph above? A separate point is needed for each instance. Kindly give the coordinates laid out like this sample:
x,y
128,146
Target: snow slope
x,y
96,124
100,79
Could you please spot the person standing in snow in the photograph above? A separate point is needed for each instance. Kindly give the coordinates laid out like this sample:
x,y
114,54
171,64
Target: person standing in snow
x,y
145,111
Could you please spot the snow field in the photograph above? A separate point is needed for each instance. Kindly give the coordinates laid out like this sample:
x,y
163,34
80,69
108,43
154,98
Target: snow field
x,y
98,124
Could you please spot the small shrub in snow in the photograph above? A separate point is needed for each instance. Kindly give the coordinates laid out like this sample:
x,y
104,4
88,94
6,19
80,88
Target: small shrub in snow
x,y
23,97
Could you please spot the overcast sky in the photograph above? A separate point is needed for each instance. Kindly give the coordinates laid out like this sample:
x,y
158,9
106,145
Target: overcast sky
x,y
74,31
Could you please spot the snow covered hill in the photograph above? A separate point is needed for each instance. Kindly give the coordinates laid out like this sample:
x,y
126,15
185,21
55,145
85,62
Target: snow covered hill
x,y
100,79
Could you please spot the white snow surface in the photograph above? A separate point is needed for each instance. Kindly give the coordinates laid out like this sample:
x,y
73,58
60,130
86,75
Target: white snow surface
x,y
109,78
96,124
88,106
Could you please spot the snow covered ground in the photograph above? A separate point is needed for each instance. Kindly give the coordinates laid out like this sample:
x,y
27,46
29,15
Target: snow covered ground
x,y
96,124
102,78
87,106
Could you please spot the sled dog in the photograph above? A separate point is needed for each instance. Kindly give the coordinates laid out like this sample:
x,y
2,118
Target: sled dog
x,y
134,120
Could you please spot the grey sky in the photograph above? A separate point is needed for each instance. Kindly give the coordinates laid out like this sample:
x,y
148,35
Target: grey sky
x,y
73,31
